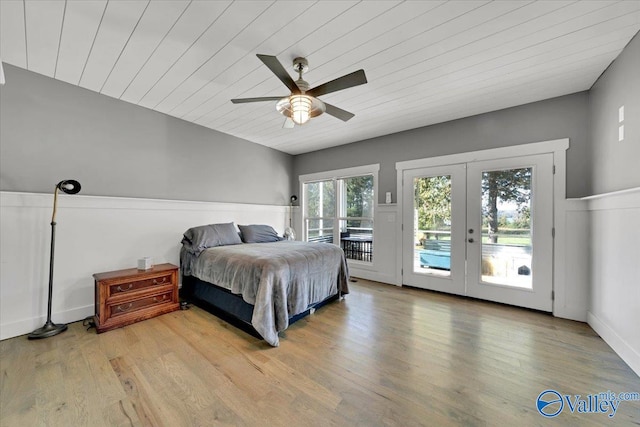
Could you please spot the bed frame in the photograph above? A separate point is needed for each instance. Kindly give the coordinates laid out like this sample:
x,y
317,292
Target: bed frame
x,y
231,307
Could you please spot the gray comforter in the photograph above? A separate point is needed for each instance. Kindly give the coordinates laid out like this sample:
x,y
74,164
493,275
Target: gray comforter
x,y
279,279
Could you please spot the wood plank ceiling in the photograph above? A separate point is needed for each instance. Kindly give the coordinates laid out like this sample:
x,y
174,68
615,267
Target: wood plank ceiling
x,y
426,61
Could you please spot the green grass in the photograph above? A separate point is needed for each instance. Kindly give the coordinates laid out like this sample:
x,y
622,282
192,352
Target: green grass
x,y
508,239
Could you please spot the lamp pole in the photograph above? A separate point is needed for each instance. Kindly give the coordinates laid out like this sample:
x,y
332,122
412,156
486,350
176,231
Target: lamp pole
x,y
50,329
289,232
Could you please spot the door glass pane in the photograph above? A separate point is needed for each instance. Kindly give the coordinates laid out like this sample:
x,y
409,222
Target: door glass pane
x,y
507,227
432,225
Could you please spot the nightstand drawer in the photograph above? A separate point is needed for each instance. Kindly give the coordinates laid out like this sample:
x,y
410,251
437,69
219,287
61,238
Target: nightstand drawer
x,y
127,296
118,309
135,285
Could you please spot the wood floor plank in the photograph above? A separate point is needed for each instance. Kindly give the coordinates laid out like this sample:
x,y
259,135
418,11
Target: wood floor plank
x,y
53,400
17,383
121,414
383,356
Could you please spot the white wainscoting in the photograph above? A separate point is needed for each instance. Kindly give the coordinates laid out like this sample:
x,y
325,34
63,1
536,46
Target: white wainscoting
x,y
93,234
383,268
614,308
571,261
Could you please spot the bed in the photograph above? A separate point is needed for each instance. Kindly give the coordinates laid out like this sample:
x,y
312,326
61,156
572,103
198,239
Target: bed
x,y
255,279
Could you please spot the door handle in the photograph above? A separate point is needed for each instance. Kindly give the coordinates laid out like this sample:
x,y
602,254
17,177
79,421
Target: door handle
x,y
471,231
470,240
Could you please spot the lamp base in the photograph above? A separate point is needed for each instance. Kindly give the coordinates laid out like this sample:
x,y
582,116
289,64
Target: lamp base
x,y
48,330
289,234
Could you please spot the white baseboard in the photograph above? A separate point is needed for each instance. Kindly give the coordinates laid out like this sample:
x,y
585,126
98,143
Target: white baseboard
x,y
375,276
578,314
14,329
617,343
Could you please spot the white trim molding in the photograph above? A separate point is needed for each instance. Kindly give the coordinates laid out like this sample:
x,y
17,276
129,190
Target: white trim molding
x,y
623,199
554,146
619,344
340,173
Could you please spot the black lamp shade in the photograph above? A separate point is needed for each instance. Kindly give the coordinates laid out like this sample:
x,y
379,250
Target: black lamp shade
x,y
69,186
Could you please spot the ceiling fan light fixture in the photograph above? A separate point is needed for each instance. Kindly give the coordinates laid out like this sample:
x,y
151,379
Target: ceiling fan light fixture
x,y
300,108
307,106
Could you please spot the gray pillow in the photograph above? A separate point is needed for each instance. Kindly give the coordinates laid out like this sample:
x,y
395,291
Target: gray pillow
x,y
258,233
197,239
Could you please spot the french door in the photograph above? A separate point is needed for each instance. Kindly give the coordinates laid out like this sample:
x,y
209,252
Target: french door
x,y
434,228
481,229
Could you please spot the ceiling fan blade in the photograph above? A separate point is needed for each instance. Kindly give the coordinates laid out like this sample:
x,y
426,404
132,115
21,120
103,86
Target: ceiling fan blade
x,y
276,68
338,112
350,80
264,98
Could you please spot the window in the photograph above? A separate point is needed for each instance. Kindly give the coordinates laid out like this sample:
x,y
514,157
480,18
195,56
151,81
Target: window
x,y
340,210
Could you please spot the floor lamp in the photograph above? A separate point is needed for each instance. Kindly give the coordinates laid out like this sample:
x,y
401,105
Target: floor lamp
x,y
50,329
289,232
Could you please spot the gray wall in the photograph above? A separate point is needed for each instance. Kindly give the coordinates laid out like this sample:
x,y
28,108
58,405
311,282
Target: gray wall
x,y
50,130
562,117
616,165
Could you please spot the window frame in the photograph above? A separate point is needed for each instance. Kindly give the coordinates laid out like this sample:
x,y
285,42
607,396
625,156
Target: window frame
x,y
335,176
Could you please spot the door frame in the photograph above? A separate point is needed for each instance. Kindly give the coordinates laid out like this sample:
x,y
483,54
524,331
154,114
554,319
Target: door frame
x,y
556,147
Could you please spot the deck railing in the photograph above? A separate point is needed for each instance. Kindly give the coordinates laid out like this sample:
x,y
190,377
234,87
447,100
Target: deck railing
x,y
356,242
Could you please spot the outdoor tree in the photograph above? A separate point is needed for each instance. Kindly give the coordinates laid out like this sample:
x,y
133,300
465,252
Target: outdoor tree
x,y
433,202
320,200
523,219
359,195
433,199
504,186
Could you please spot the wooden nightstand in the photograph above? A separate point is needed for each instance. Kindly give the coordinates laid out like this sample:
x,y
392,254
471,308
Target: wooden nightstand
x,y
128,296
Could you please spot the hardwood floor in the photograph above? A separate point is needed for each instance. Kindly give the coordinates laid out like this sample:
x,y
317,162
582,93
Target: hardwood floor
x,y
383,356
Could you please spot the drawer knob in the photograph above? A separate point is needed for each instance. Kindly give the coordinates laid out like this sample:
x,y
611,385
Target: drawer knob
x,y
163,280
122,308
119,288
156,299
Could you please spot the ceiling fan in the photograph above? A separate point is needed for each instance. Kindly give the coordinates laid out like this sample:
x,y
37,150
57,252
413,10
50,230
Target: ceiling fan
x,y
303,103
